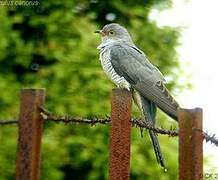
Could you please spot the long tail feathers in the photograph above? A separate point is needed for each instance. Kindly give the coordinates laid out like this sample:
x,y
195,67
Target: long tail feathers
x,y
149,111
157,149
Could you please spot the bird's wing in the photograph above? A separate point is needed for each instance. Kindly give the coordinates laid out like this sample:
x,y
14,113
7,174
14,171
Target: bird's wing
x,y
132,64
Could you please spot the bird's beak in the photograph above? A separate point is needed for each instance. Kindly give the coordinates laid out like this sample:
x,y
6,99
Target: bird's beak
x,y
100,32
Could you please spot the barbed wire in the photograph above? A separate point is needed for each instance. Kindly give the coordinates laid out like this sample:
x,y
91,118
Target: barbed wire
x,y
47,115
135,122
146,125
210,138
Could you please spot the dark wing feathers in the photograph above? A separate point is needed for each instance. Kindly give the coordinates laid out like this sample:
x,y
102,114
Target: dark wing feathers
x,y
143,76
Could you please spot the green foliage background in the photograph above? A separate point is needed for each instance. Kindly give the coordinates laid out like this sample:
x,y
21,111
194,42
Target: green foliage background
x,y
53,46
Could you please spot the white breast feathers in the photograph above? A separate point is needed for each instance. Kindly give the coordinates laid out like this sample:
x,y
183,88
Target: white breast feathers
x,y
109,70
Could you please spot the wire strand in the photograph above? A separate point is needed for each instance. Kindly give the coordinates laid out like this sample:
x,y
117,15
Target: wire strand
x,y
135,122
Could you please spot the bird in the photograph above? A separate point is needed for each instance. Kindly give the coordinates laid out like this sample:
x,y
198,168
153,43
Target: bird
x,y
129,68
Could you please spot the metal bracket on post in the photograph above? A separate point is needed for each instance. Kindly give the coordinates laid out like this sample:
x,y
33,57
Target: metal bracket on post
x,y
190,144
30,125
120,134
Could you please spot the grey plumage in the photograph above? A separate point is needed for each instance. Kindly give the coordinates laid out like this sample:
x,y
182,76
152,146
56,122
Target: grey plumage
x,y
149,111
143,76
128,67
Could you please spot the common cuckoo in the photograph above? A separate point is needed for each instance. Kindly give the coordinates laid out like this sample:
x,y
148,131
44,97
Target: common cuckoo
x,y
128,67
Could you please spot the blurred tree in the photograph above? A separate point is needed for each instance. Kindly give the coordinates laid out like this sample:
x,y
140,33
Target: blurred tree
x,y
52,45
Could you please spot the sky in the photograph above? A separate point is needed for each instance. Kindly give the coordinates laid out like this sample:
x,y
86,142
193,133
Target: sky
x,y
198,54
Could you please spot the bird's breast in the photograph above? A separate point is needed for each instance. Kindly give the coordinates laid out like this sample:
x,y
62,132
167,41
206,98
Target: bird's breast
x,y
109,70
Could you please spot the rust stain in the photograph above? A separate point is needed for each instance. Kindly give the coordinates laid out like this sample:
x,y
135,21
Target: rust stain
x,y
120,135
190,144
30,126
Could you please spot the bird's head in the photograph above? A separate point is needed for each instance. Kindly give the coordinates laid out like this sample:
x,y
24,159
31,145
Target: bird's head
x,y
114,32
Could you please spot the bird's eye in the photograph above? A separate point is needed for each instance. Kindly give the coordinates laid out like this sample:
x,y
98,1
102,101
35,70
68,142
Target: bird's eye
x,y
111,32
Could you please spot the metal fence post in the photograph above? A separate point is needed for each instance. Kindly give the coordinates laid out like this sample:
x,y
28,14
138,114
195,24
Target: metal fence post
x,y
30,126
120,135
190,144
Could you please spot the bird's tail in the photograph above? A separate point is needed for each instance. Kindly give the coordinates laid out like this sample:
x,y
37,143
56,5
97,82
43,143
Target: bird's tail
x,y
149,111
157,149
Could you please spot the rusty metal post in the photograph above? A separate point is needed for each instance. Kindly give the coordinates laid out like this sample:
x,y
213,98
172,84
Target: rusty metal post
x,y
120,135
190,144
30,125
